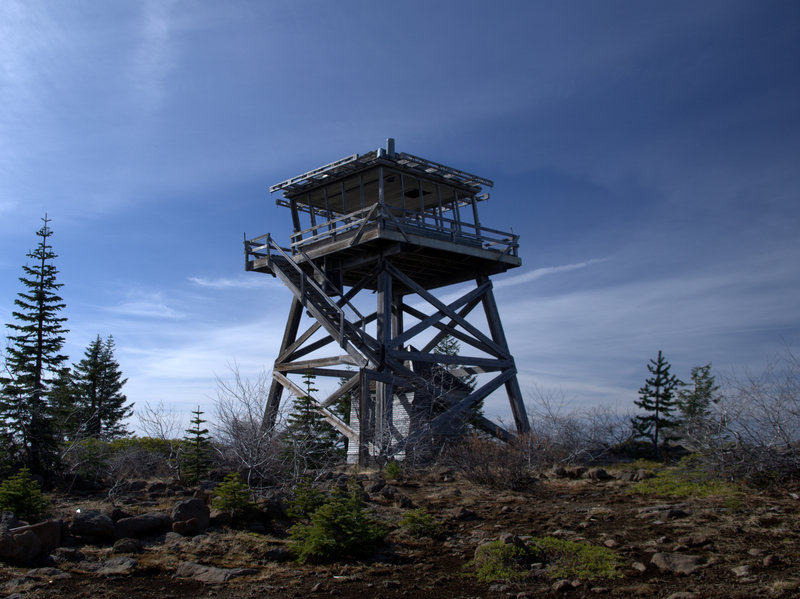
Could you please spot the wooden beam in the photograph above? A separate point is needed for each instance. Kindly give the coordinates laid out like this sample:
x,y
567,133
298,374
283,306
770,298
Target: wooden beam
x,y
449,329
351,384
316,363
488,364
329,416
327,372
275,391
427,296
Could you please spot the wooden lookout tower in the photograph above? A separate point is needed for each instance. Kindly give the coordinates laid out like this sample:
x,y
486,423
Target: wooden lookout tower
x,y
387,229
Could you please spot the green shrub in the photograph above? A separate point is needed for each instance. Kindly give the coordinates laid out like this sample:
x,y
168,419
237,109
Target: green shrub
x,y
306,501
501,561
569,559
163,447
684,480
562,559
233,496
340,527
23,496
393,470
420,523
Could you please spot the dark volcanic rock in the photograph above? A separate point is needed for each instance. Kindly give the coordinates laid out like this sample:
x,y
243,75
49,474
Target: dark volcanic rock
x,y
210,574
92,523
192,509
145,524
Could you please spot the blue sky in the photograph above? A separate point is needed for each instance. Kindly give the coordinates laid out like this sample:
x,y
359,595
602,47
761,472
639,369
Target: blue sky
x,y
646,152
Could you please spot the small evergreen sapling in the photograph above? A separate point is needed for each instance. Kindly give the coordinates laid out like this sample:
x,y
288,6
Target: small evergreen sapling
x,y
233,496
21,494
312,440
197,458
339,528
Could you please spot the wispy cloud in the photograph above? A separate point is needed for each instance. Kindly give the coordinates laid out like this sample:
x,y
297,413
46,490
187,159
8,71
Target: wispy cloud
x,y
538,273
232,283
153,59
152,306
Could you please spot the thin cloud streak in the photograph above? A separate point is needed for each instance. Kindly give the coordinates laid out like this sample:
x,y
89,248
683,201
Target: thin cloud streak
x,y
251,282
153,59
538,273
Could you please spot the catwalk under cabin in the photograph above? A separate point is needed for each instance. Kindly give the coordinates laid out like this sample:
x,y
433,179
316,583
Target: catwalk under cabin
x,y
387,229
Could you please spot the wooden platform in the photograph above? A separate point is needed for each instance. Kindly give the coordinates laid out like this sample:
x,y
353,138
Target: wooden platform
x,y
432,259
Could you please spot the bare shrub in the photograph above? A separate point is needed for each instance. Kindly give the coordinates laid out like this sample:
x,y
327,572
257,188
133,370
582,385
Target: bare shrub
x,y
753,433
244,443
492,463
567,436
165,427
265,456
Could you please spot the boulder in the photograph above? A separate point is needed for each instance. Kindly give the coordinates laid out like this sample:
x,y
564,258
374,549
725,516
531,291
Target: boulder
x,y
48,533
127,546
21,547
462,513
92,523
375,486
192,509
10,520
187,528
144,524
67,554
116,566
210,574
598,474
677,563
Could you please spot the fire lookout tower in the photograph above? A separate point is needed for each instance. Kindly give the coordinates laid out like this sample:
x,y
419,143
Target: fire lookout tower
x,y
397,226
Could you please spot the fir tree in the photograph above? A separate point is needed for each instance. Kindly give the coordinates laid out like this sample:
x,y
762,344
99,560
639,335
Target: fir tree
x,y
444,375
311,437
694,401
197,458
33,360
94,400
657,399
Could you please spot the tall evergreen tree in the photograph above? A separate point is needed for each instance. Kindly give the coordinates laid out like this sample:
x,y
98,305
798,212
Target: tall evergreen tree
x,y
657,400
98,406
34,359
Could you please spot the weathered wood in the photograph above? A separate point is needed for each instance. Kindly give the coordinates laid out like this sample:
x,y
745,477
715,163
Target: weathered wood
x,y
275,390
326,372
436,303
316,363
431,320
512,385
488,364
366,236
347,387
329,416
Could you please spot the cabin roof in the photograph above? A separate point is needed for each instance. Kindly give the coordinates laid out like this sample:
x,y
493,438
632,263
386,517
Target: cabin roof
x,y
407,164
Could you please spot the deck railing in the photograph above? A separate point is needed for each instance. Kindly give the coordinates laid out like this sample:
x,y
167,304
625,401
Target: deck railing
x,y
264,247
407,222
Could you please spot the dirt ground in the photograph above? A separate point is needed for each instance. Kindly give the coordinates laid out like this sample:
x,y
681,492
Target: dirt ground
x,y
747,547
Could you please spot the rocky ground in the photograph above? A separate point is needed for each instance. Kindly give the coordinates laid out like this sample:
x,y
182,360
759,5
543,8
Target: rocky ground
x,y
742,546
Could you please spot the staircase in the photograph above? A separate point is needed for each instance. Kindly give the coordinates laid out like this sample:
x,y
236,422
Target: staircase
x,y
321,306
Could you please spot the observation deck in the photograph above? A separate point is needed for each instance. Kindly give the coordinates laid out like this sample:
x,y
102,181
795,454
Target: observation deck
x,y
351,213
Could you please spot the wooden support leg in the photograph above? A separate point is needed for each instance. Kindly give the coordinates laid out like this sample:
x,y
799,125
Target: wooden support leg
x,y
276,389
499,337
